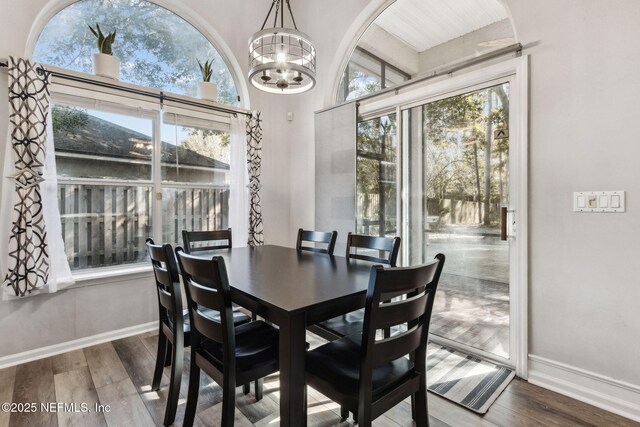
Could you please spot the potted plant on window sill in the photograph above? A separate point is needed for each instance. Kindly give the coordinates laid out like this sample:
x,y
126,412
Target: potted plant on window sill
x,y
207,89
104,63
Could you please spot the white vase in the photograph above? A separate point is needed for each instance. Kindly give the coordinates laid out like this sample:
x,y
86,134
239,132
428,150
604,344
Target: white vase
x,y
208,91
106,66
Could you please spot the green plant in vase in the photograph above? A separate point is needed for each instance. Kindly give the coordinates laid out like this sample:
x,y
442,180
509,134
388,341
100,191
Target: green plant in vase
x,y
104,63
207,89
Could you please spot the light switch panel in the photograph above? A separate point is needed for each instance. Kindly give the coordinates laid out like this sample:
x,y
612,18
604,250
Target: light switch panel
x,y
599,201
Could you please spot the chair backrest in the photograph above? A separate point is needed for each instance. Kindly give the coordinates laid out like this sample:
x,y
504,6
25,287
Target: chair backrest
x,y
383,244
207,287
165,270
191,237
419,285
328,237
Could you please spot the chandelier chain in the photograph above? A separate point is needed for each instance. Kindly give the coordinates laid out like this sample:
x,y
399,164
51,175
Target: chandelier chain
x,y
279,11
293,20
269,13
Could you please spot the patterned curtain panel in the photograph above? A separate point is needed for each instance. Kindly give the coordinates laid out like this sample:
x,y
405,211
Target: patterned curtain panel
x,y
27,266
254,160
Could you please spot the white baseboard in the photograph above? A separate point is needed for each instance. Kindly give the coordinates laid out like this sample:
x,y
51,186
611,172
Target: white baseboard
x,y
52,350
606,393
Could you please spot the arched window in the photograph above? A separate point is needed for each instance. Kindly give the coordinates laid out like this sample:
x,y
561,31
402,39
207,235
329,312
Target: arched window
x,y
415,37
156,47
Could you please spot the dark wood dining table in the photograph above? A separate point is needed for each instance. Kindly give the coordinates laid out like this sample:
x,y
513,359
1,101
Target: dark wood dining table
x,y
294,289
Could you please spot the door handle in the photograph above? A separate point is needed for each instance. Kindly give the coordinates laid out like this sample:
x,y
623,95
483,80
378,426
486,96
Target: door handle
x,y
503,223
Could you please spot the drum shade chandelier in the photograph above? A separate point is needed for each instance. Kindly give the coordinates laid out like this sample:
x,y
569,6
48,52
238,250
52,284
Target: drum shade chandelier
x,y
281,60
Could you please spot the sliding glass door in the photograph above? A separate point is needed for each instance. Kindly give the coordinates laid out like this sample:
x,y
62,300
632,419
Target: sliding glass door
x,y
458,177
376,177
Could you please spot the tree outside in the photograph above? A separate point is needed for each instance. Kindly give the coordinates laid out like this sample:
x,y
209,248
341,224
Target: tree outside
x,y
465,167
376,186
463,160
156,47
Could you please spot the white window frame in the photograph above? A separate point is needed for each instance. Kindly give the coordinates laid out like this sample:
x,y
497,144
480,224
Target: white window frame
x,y
114,100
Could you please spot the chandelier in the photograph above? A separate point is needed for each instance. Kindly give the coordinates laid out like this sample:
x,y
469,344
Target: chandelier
x,y
281,60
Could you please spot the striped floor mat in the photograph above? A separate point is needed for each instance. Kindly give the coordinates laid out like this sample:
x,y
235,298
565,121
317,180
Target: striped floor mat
x,y
465,380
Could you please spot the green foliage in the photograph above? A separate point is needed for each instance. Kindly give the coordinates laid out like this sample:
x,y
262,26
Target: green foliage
x,y
68,119
376,174
104,42
206,69
156,47
458,144
214,144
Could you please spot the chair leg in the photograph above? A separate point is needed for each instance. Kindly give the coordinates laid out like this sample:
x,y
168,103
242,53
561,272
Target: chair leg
x,y
419,407
344,413
258,387
228,401
174,385
192,395
364,421
167,361
160,358
246,388
413,406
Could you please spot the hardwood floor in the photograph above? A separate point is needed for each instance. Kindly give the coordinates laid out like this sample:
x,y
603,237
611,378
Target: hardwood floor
x,y
119,374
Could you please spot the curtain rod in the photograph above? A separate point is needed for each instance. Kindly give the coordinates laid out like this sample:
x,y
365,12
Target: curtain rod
x,y
514,48
161,96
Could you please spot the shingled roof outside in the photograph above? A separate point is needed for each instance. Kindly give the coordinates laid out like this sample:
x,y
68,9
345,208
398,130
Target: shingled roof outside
x,y
102,138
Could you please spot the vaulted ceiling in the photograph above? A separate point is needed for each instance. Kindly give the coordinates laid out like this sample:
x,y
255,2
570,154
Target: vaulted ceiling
x,y
423,24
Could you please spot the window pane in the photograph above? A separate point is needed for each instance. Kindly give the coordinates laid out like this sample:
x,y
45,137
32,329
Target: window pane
x,y
376,187
393,77
156,47
99,145
194,155
104,225
364,74
193,209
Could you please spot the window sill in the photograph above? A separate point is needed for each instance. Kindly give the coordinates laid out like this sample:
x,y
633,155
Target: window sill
x,y
100,276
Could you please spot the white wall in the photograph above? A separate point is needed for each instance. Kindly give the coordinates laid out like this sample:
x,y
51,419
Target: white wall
x,y
585,280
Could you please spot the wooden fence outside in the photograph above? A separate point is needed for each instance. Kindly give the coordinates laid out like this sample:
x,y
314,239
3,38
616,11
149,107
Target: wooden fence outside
x,y
104,225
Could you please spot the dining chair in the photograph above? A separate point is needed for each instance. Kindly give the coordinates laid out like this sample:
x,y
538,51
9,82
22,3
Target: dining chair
x,y
352,323
173,328
230,354
196,241
367,376
173,325
329,238
390,246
